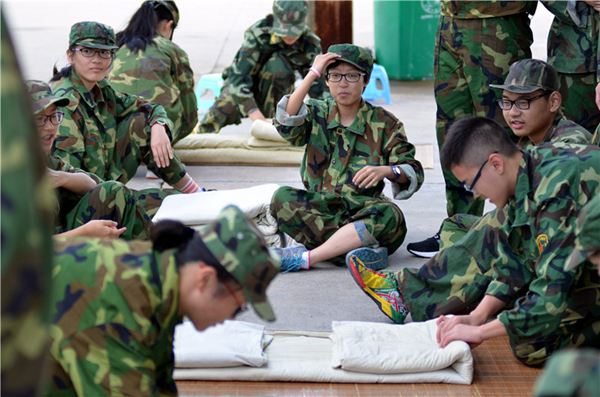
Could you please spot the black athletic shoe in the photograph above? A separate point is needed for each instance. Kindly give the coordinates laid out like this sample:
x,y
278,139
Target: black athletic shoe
x,y
427,248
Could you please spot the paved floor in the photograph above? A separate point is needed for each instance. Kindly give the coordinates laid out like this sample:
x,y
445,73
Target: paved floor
x,y
211,33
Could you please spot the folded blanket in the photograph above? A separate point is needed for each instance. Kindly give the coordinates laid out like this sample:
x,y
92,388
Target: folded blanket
x,y
391,349
314,357
201,208
230,344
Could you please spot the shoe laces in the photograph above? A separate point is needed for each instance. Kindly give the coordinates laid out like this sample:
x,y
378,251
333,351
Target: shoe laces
x,y
290,263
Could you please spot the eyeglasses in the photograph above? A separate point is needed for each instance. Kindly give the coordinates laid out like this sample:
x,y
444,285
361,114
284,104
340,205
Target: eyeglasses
x,y
242,306
55,118
89,53
350,77
471,189
523,104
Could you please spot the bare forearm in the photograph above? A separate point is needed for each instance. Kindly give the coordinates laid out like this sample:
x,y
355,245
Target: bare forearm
x,y
297,98
488,306
77,182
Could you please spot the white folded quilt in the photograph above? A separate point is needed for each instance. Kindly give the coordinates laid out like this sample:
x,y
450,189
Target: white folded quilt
x,y
340,356
230,344
204,207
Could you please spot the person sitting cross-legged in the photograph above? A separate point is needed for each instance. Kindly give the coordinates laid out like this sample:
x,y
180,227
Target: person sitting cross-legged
x,y
352,147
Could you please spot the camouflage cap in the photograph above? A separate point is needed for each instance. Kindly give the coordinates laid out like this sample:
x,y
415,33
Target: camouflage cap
x,y
93,35
289,17
42,96
241,249
354,55
587,241
529,75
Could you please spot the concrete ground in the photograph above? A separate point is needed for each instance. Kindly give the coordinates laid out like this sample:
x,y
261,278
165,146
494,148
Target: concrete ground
x,y
211,33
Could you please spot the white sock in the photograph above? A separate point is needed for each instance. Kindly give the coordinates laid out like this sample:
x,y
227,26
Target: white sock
x,y
306,259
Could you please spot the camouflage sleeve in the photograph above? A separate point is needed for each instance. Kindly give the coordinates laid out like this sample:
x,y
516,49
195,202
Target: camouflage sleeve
x,y
549,284
239,78
185,83
569,12
57,164
69,144
128,104
294,128
402,153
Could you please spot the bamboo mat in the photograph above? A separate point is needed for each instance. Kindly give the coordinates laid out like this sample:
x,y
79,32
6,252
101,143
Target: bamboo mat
x,y
497,373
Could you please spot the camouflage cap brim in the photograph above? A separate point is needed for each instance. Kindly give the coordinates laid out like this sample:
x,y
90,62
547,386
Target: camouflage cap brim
x,y
43,104
288,29
517,89
42,96
90,44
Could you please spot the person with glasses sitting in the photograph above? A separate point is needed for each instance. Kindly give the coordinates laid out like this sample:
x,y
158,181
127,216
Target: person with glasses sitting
x,y
108,133
351,148
86,206
115,304
455,279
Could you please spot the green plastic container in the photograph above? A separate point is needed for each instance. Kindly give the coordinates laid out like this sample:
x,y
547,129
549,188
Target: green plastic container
x,y
405,37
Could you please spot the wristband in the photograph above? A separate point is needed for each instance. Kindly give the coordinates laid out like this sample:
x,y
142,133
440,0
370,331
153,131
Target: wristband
x,y
315,71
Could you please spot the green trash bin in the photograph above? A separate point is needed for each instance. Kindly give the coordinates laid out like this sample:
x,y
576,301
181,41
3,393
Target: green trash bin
x,y
405,37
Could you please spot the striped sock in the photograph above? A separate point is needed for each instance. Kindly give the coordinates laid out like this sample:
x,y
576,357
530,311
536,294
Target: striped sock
x,y
191,187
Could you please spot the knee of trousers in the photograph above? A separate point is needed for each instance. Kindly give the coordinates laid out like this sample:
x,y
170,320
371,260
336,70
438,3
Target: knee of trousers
x,y
386,224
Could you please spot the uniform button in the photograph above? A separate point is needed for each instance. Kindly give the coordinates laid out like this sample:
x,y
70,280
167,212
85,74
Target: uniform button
x,y
455,12
240,236
333,162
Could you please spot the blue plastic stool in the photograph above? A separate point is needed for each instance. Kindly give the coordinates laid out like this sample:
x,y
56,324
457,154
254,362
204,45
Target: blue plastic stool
x,y
372,92
213,82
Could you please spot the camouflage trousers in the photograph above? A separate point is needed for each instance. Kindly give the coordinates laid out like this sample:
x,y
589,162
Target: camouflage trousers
x,y
313,217
578,93
273,81
456,279
132,148
571,373
471,54
110,201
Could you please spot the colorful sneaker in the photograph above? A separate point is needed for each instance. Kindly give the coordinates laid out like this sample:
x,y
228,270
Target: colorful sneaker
x,y
291,258
382,288
427,248
373,258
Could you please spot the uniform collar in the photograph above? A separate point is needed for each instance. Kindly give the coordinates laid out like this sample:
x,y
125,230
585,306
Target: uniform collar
x,y
521,205
92,98
358,125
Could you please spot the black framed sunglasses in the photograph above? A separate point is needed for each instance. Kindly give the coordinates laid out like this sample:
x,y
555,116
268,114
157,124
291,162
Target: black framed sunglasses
x,y
470,188
523,104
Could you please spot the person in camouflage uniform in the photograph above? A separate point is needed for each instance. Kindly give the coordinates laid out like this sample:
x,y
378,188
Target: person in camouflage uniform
x,y
477,41
150,65
26,222
86,205
108,133
115,304
351,147
540,306
263,70
572,50
456,279
576,372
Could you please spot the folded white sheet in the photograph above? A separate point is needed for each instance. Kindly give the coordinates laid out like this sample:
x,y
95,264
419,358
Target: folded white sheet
x,y
230,344
307,357
391,348
204,207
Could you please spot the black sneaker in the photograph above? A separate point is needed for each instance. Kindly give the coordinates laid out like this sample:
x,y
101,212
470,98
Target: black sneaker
x,y
427,248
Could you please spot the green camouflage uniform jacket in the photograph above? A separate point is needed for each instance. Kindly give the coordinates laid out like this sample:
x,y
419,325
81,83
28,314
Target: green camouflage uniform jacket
x,y
259,44
86,138
562,130
26,223
554,182
162,74
114,312
335,153
485,9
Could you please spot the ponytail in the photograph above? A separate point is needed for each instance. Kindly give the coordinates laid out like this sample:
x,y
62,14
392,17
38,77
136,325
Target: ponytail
x,y
170,234
64,72
142,26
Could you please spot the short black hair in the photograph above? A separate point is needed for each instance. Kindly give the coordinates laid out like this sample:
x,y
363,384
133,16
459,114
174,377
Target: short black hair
x,y
471,140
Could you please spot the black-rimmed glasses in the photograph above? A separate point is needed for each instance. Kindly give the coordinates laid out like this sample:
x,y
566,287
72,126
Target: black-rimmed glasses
x,y
523,104
89,53
350,77
55,118
470,188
